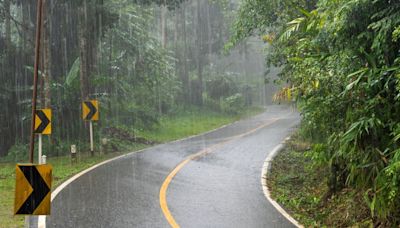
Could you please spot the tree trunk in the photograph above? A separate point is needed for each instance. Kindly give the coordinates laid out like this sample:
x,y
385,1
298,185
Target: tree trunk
x,y
178,56
6,137
46,54
209,31
83,51
199,47
164,24
110,74
185,76
7,24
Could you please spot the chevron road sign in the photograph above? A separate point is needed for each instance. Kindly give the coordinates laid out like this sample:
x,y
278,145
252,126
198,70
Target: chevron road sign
x,y
43,121
32,189
90,110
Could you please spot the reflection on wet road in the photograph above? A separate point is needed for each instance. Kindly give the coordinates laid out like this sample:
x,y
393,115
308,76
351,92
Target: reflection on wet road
x,y
220,188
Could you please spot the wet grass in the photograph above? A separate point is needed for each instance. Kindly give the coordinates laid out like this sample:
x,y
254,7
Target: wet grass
x,y
192,122
63,168
300,188
170,128
7,176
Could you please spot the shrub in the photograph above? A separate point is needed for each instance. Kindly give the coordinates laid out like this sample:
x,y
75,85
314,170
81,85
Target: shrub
x,y
233,104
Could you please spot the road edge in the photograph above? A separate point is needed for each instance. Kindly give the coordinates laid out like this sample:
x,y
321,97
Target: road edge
x,y
42,218
264,172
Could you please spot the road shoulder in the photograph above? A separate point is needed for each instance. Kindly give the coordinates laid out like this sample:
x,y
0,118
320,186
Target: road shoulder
x,y
264,174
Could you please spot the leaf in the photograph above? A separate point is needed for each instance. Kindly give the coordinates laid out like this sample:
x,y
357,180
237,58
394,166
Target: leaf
x,y
370,59
354,83
293,26
32,70
73,72
304,12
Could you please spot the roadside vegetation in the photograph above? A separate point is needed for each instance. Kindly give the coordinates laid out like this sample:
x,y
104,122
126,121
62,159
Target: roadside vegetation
x,y
300,187
193,122
340,60
156,68
142,60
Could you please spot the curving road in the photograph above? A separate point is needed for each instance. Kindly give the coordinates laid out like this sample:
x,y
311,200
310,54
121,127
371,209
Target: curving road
x,y
211,180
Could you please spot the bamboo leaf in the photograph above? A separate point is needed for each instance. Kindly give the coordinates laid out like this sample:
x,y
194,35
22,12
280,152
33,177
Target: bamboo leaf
x,y
73,72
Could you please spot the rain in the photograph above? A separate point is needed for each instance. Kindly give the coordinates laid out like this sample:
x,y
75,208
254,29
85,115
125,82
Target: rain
x,y
120,77
199,113
141,60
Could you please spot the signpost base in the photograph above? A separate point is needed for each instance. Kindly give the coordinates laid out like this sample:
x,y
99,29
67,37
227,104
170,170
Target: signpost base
x,y
27,221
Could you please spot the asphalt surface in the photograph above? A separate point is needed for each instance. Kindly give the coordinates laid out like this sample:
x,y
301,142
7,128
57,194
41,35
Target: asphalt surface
x,y
220,189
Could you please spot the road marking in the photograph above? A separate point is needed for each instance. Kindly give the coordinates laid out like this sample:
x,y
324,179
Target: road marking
x,y
164,187
264,171
42,218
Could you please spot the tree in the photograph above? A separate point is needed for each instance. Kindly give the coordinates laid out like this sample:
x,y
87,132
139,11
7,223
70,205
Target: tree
x,y
342,58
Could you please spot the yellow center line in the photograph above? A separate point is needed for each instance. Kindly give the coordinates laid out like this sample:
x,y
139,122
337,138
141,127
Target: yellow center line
x,y
167,181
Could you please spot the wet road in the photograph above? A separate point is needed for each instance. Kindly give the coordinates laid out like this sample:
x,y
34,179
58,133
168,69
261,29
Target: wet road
x,y
219,188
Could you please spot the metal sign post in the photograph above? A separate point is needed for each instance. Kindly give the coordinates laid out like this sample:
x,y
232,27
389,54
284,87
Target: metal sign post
x,y
91,137
40,149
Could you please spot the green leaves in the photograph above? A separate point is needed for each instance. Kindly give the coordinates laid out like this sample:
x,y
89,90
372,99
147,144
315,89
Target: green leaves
x,y
293,26
360,74
363,127
32,70
352,48
73,72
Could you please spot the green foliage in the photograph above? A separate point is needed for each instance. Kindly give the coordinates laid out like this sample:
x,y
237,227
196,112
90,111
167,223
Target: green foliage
x,y
18,153
73,72
171,4
233,104
220,86
188,121
343,58
297,183
110,51
137,82
225,93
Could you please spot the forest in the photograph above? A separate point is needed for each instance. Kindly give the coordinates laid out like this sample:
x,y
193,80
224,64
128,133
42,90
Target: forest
x,y
147,59
141,59
341,60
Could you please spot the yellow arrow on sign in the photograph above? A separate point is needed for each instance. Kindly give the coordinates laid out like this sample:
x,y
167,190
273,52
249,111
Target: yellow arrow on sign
x,y
90,110
43,121
32,189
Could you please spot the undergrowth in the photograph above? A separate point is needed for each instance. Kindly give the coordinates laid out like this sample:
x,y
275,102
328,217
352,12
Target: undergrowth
x,y
300,187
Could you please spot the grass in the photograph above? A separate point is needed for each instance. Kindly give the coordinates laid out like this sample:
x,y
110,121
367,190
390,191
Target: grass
x,y
7,185
300,187
191,122
62,170
170,128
